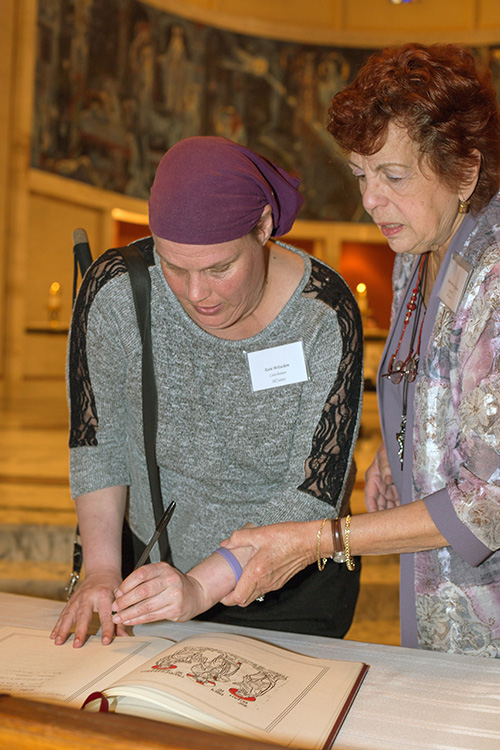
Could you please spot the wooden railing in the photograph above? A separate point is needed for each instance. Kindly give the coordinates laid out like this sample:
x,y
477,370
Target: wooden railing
x,y
32,725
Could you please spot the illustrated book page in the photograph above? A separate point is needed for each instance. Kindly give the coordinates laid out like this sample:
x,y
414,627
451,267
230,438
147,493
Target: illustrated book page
x,y
245,686
32,666
218,681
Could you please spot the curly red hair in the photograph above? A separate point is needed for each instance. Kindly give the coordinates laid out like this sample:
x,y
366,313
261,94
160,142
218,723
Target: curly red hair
x,y
438,94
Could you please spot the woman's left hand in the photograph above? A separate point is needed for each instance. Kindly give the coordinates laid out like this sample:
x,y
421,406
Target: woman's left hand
x,y
281,551
380,490
156,592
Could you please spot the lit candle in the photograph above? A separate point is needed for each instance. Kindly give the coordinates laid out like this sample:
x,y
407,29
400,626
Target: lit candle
x,y
362,298
54,303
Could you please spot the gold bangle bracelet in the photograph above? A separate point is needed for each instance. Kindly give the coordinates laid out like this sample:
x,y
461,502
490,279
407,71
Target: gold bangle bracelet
x,y
347,530
321,561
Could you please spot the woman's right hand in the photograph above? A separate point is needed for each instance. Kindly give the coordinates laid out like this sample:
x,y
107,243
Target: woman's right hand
x,y
94,594
380,491
158,591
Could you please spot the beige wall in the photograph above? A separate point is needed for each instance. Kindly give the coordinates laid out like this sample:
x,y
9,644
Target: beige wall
x,y
39,211
350,22
6,39
17,33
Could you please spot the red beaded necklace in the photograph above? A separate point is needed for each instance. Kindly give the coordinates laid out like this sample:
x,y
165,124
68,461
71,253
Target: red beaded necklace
x,y
407,369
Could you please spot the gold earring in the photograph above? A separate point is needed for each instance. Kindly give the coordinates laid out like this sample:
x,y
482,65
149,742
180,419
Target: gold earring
x,y
463,206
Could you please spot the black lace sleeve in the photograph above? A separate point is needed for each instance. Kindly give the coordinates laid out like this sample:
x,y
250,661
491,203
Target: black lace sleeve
x,y
83,412
328,468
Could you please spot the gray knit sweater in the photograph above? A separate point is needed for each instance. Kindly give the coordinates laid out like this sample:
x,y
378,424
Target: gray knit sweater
x,y
227,455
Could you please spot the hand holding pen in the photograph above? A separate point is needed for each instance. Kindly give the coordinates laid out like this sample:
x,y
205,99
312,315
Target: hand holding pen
x,y
162,525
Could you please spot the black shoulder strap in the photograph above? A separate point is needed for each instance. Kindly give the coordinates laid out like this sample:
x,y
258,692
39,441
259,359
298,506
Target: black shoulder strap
x,y
140,281
141,289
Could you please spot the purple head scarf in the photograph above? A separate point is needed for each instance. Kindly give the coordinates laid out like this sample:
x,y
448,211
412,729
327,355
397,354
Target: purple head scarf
x,y
209,190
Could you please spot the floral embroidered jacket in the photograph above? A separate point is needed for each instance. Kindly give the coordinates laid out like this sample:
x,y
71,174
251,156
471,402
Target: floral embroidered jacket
x,y
453,438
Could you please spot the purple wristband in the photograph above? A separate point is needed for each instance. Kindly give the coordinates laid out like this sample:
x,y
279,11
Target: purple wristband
x,y
232,560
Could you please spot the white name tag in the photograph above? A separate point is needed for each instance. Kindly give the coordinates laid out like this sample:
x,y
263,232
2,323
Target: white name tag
x,y
277,366
454,283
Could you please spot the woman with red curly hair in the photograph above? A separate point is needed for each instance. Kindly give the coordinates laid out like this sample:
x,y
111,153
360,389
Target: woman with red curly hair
x,y
420,128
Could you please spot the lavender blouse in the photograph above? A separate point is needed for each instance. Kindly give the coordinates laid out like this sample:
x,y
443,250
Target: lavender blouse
x,y
450,597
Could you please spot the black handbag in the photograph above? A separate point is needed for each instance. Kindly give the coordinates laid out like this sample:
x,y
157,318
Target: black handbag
x,y
140,281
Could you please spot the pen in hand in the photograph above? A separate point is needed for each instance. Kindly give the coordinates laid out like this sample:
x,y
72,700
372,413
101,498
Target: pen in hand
x,y
162,525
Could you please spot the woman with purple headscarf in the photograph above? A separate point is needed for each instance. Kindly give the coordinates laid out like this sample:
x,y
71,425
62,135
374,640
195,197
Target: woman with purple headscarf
x,y
258,365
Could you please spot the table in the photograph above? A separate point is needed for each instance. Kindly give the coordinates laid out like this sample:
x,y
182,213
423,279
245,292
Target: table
x,y
410,700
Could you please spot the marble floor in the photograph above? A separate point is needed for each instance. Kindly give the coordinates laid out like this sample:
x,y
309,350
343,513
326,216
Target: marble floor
x,y
37,519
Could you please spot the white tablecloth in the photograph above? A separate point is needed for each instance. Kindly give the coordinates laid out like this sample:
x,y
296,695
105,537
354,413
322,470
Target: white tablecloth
x,y
410,699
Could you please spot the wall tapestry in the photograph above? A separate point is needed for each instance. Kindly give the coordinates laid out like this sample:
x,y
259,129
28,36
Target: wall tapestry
x,y
119,82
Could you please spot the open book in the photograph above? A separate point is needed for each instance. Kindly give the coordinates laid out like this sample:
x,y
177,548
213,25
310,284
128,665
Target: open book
x,y
216,681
